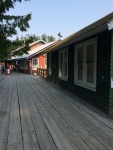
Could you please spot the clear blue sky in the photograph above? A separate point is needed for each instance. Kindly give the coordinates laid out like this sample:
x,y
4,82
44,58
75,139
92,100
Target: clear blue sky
x,y
65,16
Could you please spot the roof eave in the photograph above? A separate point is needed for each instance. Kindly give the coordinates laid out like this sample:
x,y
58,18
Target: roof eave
x,y
18,59
110,25
42,50
81,37
37,42
34,54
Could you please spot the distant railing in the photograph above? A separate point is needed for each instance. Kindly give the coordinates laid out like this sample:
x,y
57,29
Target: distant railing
x,y
42,72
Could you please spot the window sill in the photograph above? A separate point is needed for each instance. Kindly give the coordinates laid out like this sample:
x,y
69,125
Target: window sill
x,y
63,78
34,68
87,86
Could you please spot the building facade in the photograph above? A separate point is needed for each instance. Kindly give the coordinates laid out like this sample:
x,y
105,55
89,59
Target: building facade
x,y
28,63
83,64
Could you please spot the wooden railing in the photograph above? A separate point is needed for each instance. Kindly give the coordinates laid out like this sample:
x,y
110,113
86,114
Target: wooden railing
x,y
42,72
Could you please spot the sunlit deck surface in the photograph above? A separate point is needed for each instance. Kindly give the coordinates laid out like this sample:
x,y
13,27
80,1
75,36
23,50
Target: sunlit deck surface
x,y
38,115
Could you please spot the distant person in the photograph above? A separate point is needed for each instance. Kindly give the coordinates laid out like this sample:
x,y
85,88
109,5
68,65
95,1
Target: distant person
x,y
3,67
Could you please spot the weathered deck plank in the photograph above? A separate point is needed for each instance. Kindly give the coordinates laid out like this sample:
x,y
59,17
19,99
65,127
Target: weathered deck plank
x,y
37,115
15,135
28,130
5,114
58,136
44,138
3,90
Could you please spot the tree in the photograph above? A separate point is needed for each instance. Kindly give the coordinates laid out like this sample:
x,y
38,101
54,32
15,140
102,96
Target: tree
x,y
35,38
8,25
47,38
44,37
50,38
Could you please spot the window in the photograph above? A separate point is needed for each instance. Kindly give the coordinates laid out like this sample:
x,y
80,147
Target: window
x,y
23,65
50,66
45,62
63,64
85,64
80,63
90,62
35,63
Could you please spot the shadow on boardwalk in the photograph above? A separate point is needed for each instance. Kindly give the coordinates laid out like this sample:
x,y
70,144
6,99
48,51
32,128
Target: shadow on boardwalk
x,y
37,115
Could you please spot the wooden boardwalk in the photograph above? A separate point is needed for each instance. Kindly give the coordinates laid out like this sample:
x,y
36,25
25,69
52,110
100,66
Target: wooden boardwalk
x,y
37,115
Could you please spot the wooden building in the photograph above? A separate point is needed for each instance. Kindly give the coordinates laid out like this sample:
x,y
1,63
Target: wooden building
x,y
83,64
28,63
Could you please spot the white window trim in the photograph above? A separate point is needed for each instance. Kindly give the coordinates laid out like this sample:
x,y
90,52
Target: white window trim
x,y
35,68
84,83
63,77
45,61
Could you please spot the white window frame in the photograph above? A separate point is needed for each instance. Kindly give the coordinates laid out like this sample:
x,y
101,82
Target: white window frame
x,y
45,60
62,76
84,83
35,67
50,64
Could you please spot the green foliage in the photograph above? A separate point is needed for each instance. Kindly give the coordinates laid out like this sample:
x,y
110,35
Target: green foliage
x,y
47,38
8,25
6,52
50,38
44,37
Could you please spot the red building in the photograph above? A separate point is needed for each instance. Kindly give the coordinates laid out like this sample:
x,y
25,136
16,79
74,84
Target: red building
x,y
28,63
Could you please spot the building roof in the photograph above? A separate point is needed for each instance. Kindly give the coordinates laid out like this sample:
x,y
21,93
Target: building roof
x,y
41,49
103,23
29,45
37,42
36,51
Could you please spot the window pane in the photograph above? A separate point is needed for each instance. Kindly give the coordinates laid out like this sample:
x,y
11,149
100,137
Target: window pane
x,y
61,58
65,71
80,62
90,53
35,63
65,63
90,62
61,63
80,71
90,73
65,56
80,55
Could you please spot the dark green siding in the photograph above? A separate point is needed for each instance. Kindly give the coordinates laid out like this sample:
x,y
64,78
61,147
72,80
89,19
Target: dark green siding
x,y
100,98
111,76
